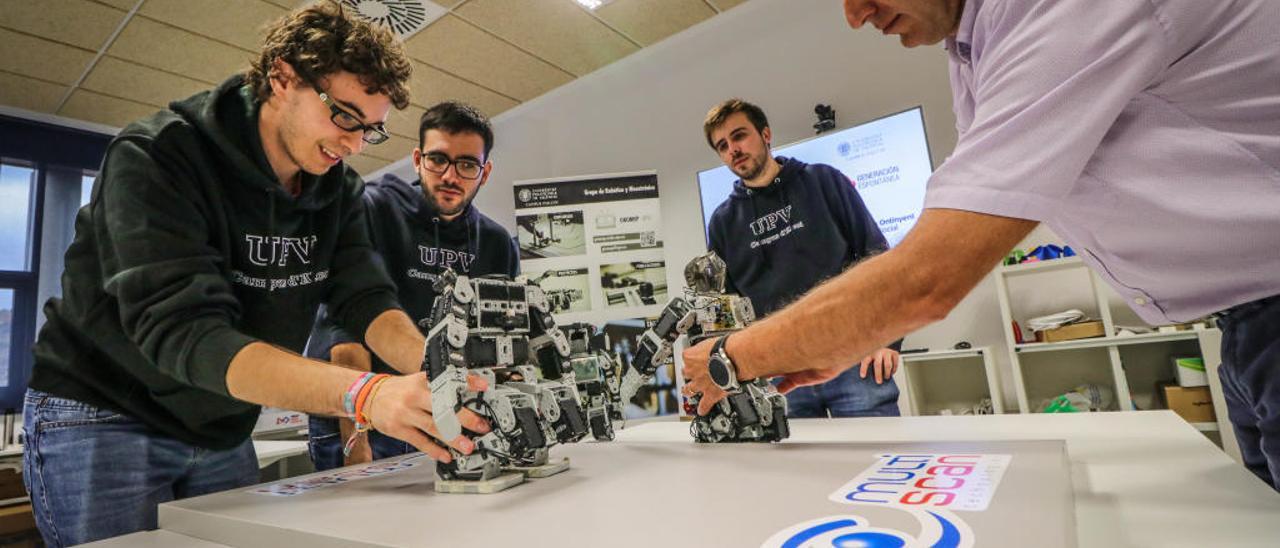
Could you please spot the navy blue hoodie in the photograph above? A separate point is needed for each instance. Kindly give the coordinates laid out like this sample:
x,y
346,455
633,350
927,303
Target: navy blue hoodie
x,y
416,245
781,240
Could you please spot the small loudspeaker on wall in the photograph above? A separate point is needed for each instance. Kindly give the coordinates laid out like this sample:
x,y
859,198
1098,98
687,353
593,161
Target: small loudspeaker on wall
x,y
404,17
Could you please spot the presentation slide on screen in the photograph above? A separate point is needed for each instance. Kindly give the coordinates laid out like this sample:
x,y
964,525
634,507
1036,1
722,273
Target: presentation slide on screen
x,y
887,160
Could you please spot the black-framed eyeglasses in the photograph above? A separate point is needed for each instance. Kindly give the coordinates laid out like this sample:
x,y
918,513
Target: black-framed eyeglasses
x,y
373,134
467,168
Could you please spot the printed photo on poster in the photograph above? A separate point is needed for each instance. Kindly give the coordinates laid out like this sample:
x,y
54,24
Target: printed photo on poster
x,y
658,397
567,290
549,235
637,283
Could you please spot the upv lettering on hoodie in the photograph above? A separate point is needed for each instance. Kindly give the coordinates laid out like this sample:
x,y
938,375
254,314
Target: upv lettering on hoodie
x,y
279,251
770,222
446,258
264,250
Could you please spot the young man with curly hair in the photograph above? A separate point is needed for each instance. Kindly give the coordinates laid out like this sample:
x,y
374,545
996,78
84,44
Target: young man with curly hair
x,y
216,229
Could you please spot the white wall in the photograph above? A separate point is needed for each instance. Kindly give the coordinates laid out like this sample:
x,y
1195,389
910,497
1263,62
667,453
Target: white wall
x,y
645,112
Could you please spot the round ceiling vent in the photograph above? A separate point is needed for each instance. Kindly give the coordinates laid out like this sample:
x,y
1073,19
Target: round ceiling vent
x,y
404,17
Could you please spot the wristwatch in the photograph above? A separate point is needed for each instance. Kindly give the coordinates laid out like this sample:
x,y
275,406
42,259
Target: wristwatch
x,y
721,367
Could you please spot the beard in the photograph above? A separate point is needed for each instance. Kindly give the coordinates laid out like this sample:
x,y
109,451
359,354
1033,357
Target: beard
x,y
437,201
753,168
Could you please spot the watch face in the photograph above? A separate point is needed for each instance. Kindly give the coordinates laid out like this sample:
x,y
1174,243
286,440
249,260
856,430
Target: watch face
x,y
719,371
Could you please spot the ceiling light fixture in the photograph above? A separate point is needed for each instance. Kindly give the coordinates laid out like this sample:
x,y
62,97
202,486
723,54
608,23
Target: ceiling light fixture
x,y
592,4
404,17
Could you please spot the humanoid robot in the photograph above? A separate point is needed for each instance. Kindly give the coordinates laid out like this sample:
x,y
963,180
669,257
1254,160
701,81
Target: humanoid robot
x,y
502,330
596,371
753,410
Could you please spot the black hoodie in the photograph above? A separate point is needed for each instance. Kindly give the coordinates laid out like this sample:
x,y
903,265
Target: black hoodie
x,y
416,245
781,240
189,250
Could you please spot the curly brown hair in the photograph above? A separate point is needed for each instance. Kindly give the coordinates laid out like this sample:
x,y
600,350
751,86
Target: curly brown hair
x,y
322,39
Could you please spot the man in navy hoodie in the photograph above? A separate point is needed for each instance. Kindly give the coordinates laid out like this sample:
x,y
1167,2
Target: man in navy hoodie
x,y
419,229
786,227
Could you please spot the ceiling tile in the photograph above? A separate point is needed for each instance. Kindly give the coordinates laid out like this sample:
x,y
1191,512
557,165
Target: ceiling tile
x,y
76,22
462,49
405,122
395,148
558,31
289,4
237,22
122,4
142,84
95,107
364,165
726,4
649,21
431,86
55,63
26,93
161,46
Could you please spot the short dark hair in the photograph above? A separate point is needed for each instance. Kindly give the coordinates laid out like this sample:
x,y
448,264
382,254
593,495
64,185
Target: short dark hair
x,y
456,117
321,39
721,112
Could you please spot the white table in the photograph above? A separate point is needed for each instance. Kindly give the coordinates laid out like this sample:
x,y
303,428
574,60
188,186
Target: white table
x,y
1141,478
1138,478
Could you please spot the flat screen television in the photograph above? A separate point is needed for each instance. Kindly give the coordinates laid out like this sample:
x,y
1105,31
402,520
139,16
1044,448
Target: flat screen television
x,y
887,160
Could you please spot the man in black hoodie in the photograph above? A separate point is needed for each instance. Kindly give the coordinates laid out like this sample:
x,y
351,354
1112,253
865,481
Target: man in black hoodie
x,y
419,230
215,230
786,227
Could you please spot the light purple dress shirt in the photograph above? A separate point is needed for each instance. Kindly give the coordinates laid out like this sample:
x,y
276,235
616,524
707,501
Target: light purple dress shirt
x,y
1146,133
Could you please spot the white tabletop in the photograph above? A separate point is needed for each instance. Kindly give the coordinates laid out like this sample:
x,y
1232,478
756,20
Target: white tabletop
x,y
1138,478
1142,478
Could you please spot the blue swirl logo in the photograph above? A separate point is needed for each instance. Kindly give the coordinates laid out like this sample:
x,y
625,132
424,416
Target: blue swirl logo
x,y
850,531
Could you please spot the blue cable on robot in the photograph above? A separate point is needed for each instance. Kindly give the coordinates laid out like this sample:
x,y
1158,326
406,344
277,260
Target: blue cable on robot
x,y
502,330
754,410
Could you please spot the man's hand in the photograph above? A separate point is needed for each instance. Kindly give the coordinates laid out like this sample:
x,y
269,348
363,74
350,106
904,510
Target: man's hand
x,y
883,362
792,381
401,408
698,379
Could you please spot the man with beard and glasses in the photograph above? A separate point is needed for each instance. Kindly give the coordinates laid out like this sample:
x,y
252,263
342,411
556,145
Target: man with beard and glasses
x,y
786,227
1144,133
419,229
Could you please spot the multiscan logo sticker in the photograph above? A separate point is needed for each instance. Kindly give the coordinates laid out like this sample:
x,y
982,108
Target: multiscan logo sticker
x,y
927,486
938,529
955,482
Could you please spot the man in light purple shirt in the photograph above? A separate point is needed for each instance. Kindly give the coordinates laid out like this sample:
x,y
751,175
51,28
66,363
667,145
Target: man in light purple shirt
x,y
1144,132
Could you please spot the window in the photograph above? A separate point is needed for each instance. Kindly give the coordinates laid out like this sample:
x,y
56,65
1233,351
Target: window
x,y
45,177
17,184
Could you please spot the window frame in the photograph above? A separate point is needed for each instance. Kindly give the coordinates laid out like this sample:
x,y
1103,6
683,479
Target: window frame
x,y
39,146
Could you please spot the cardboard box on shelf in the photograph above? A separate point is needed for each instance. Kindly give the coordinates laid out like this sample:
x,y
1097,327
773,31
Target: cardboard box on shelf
x,y
1193,404
1081,330
1190,371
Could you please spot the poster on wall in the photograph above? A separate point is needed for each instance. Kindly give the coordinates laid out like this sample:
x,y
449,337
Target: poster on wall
x,y
594,245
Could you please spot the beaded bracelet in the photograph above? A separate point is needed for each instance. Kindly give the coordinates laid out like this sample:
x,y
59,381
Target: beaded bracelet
x,y
349,398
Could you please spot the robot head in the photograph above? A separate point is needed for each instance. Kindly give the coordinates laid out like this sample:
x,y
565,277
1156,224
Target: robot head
x,y
705,273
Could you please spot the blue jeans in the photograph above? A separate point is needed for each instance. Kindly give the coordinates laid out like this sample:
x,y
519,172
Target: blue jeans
x,y
94,474
1250,376
847,395
325,444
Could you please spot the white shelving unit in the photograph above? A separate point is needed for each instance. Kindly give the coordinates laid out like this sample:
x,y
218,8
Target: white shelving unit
x,y
950,379
1128,365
